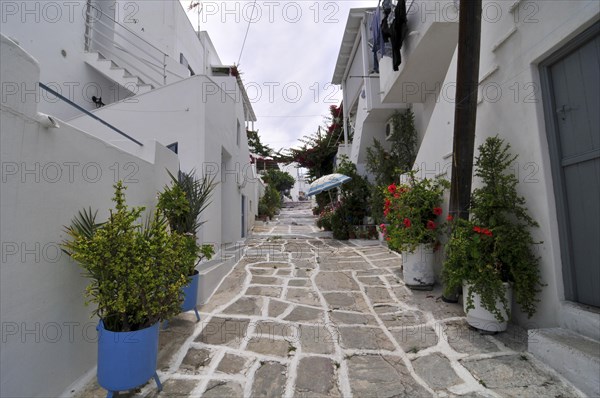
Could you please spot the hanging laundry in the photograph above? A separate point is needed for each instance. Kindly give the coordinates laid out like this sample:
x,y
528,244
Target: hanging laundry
x,y
397,23
378,43
387,5
386,33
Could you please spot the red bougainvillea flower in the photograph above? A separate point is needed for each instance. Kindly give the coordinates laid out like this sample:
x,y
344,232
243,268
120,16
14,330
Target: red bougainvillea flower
x,y
397,195
437,211
392,188
383,227
388,203
477,229
407,223
388,238
449,218
431,225
487,232
386,212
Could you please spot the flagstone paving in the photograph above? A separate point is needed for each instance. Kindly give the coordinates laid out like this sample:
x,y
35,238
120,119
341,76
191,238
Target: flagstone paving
x,y
303,315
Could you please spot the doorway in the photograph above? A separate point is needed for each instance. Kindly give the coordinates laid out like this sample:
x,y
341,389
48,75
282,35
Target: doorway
x,y
571,88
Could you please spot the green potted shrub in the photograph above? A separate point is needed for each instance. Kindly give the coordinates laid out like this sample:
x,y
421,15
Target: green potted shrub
x,y
412,210
135,281
490,256
182,203
324,219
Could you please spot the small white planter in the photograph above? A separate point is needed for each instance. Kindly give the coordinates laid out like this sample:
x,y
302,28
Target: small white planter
x,y
418,268
482,319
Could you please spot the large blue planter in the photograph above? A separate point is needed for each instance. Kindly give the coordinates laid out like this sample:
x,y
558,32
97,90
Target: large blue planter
x,y
127,360
191,295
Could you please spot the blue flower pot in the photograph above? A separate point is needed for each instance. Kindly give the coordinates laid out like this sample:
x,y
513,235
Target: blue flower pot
x,y
127,360
190,293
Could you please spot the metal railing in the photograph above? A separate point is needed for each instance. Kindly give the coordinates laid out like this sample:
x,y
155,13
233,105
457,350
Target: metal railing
x,y
139,50
68,101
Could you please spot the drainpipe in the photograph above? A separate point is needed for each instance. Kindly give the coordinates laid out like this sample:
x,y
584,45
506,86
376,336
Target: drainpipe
x,y
344,78
345,112
365,56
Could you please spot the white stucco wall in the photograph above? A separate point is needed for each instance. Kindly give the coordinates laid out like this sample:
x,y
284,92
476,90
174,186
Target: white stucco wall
x,y
511,106
45,29
163,24
201,114
48,338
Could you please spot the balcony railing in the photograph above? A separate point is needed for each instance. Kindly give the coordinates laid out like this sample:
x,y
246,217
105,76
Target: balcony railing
x,y
88,113
118,43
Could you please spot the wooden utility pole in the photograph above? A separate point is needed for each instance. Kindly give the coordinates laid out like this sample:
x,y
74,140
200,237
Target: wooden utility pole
x,y
465,115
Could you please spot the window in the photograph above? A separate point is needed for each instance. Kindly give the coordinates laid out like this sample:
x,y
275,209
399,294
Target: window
x,y
174,147
183,61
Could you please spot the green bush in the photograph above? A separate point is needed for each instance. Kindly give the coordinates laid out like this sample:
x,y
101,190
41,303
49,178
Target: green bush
x,y
340,223
324,219
495,246
413,210
270,202
386,166
182,203
136,271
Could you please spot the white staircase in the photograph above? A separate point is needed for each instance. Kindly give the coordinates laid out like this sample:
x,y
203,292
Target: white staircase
x,y
117,74
573,355
573,349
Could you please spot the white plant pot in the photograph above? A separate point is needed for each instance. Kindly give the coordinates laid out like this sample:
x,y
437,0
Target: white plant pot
x,y
482,319
418,268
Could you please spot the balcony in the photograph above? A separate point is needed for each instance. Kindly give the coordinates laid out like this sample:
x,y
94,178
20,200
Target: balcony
x,y
431,40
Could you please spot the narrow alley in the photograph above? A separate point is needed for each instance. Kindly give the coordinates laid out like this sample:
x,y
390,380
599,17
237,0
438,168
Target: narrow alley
x,y
303,315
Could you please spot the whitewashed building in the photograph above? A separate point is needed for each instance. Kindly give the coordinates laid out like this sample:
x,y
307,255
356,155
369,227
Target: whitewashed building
x,y
539,89
129,90
157,78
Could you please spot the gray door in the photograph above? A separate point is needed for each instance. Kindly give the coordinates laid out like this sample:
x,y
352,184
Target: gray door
x,y
572,104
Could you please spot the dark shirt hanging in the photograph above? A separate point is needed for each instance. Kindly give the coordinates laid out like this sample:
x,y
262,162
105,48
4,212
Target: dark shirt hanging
x,y
386,33
397,29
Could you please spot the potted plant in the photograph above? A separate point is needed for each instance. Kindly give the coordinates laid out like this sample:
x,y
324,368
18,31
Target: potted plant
x,y
491,255
135,279
324,219
412,210
182,203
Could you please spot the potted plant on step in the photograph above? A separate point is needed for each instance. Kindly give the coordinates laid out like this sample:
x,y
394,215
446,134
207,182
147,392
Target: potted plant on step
x,y
412,210
135,281
491,254
182,203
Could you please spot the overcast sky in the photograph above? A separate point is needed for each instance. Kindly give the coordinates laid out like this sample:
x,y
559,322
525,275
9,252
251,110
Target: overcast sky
x,y
288,59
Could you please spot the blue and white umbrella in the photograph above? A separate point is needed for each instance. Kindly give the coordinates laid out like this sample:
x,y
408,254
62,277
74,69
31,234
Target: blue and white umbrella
x,y
326,183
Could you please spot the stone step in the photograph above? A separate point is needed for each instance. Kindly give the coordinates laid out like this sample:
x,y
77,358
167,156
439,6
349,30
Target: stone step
x,y
574,356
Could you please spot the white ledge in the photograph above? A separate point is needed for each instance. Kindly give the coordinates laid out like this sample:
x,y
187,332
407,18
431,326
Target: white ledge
x,y
504,39
489,73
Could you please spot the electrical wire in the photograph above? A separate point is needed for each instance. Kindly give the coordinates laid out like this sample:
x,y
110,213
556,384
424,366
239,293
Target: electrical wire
x,y
246,35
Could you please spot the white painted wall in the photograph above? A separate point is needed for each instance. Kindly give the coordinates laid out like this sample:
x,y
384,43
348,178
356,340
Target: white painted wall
x,y
516,114
299,175
48,338
45,29
203,120
354,85
160,24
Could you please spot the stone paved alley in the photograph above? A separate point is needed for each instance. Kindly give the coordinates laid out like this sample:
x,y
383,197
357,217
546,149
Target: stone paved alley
x,y
303,315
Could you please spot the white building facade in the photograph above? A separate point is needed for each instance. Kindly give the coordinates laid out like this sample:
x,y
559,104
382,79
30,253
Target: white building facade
x,y
114,67
157,79
538,89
